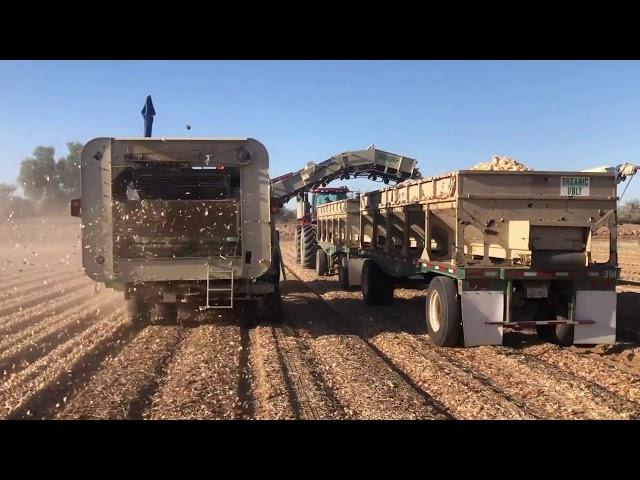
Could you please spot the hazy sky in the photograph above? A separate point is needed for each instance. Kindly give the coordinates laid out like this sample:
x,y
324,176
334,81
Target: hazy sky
x,y
559,115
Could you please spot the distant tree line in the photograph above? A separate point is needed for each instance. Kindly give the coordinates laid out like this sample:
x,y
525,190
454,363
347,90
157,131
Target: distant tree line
x,y
285,216
48,185
629,212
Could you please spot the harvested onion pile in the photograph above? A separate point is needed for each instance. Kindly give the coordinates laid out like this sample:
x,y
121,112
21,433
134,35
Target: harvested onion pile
x,y
504,164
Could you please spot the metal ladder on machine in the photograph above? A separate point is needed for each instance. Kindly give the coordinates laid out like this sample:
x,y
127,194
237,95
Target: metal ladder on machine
x,y
210,270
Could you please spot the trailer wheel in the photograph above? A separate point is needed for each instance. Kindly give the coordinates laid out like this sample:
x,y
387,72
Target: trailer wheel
x,y
544,332
443,312
321,262
167,313
274,308
297,240
309,246
138,310
343,272
246,313
377,286
561,335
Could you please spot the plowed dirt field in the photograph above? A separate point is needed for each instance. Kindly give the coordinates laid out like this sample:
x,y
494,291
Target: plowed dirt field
x,y
68,351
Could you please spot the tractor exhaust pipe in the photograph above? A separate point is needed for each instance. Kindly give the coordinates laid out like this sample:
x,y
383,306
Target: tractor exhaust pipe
x,y
147,113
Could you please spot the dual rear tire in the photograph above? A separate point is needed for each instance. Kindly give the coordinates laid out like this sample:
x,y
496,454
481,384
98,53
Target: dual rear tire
x,y
138,310
167,313
322,262
561,335
273,307
444,320
377,286
442,312
343,272
442,309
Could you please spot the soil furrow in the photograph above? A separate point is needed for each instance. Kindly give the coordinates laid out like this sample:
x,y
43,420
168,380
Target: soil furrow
x,y
315,398
17,292
32,392
297,397
366,384
43,296
590,400
123,386
33,344
543,389
454,390
71,353
613,401
77,310
202,380
271,391
11,283
32,315
611,377
245,407
466,393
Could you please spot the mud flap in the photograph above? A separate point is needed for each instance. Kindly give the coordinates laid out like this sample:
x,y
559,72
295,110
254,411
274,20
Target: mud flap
x,y
600,307
478,308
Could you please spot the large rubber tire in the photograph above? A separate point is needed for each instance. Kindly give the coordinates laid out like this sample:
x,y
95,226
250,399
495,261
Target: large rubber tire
x,y
343,273
561,335
544,332
442,312
274,308
297,242
377,286
322,260
309,246
138,310
167,313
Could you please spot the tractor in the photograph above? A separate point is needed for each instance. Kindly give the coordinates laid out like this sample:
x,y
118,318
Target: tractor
x,y
306,221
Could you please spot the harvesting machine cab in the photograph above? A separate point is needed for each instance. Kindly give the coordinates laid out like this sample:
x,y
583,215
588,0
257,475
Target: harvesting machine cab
x,y
308,202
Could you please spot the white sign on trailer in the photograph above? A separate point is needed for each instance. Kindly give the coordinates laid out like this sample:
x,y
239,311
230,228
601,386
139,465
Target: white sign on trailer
x,y
574,186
